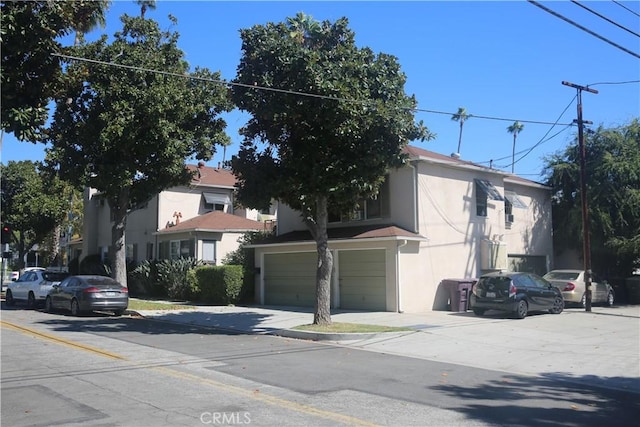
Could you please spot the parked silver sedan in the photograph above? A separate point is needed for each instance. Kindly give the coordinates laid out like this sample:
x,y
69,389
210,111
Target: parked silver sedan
x,y
79,294
572,285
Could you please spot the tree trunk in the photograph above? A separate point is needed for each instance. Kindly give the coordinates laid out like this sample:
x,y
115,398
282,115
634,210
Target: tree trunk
x,y
322,315
118,250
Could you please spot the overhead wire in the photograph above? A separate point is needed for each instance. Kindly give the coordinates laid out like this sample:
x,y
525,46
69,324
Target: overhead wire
x,y
564,18
285,91
625,7
604,17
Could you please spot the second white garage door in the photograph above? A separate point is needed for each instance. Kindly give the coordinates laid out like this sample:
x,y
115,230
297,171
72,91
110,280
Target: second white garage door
x,y
290,279
363,280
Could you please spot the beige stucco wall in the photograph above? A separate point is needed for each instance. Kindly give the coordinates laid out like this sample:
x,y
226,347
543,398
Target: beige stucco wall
x,y
446,217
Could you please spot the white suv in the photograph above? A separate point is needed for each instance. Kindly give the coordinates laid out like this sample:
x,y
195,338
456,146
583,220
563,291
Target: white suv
x,y
33,286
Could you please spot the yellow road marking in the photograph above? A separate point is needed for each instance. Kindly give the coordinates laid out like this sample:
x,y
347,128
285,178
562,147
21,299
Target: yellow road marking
x,y
243,392
62,341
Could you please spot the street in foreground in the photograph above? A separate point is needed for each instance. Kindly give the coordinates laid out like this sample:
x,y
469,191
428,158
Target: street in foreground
x,y
103,370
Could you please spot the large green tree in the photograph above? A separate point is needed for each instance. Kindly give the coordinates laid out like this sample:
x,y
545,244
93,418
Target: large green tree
x,y
613,198
329,148
33,203
31,33
128,132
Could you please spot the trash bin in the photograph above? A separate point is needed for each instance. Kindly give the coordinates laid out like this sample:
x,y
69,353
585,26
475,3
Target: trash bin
x,y
459,290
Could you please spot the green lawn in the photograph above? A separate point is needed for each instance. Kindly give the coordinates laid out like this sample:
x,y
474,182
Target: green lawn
x,y
337,327
138,304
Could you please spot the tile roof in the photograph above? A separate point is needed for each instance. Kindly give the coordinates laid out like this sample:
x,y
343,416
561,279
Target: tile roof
x,y
212,176
342,233
216,221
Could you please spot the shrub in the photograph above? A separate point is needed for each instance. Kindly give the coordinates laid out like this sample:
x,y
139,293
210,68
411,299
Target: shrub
x,y
219,284
92,264
173,276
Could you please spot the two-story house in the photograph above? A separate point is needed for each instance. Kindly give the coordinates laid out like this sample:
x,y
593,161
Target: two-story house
x,y
436,218
198,220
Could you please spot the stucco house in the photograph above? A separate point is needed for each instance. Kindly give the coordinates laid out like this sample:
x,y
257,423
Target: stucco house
x,y
198,220
436,218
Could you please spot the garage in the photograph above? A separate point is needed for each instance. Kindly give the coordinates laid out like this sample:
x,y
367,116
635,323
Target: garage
x,y
290,279
528,263
362,277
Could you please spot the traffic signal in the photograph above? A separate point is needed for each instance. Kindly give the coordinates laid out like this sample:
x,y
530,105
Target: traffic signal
x,y
6,234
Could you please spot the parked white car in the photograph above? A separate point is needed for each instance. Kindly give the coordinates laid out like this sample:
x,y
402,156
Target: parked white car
x,y
571,284
33,286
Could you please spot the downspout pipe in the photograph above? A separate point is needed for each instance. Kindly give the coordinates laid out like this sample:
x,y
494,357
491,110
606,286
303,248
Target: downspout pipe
x,y
401,244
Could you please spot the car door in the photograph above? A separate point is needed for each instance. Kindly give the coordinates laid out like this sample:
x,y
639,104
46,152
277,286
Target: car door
x,y
546,291
59,293
21,286
598,289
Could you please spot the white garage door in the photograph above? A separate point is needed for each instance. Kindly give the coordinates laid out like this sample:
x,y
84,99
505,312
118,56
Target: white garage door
x,y
290,279
363,280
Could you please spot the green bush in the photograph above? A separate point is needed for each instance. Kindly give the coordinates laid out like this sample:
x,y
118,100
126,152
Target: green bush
x,y
173,276
219,284
170,278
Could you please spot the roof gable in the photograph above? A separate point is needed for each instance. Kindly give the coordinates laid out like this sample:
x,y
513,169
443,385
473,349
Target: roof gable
x,y
215,221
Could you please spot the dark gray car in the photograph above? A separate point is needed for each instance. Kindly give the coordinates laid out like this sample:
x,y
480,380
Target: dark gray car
x,y
516,293
79,294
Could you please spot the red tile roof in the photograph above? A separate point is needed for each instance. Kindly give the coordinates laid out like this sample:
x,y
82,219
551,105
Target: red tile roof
x,y
216,221
342,233
212,176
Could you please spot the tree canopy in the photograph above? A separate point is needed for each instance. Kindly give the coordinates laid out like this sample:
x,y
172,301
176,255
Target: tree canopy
x,y
31,77
613,198
33,203
127,132
329,120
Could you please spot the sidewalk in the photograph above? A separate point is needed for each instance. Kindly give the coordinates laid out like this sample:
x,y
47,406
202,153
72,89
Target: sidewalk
x,y
600,347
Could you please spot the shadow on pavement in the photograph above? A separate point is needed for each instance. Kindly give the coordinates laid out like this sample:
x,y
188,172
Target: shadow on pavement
x,y
549,399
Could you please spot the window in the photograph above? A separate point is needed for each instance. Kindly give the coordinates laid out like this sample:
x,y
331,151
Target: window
x,y
485,191
132,252
372,208
209,251
177,249
216,201
149,251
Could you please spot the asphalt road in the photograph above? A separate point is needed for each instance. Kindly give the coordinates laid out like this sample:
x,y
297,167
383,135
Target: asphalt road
x,y
102,370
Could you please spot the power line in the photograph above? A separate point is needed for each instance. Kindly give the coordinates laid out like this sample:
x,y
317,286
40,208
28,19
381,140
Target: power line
x,y
625,7
285,91
605,18
535,3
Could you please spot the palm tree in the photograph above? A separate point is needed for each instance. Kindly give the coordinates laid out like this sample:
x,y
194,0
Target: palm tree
x,y
144,5
515,129
460,116
302,27
86,15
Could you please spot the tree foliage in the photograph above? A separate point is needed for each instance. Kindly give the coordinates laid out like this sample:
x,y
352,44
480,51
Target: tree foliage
x,y
613,198
128,132
31,77
33,203
330,147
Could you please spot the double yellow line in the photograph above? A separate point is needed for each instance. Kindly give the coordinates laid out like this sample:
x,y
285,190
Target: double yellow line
x,y
239,391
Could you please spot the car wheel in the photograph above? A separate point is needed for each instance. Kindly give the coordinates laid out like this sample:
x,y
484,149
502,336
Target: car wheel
x,y
31,300
9,298
522,309
478,311
75,307
47,305
610,299
558,306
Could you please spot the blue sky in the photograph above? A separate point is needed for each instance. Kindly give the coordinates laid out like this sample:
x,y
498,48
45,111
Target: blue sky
x,y
501,60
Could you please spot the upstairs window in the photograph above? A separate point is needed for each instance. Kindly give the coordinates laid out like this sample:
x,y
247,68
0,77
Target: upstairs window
x,y
485,191
216,201
372,208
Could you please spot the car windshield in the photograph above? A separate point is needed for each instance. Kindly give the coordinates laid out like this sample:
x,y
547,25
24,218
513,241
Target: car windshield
x,y
497,282
102,282
54,276
561,275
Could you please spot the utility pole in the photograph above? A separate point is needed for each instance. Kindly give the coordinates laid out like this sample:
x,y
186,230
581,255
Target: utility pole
x,y
586,241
